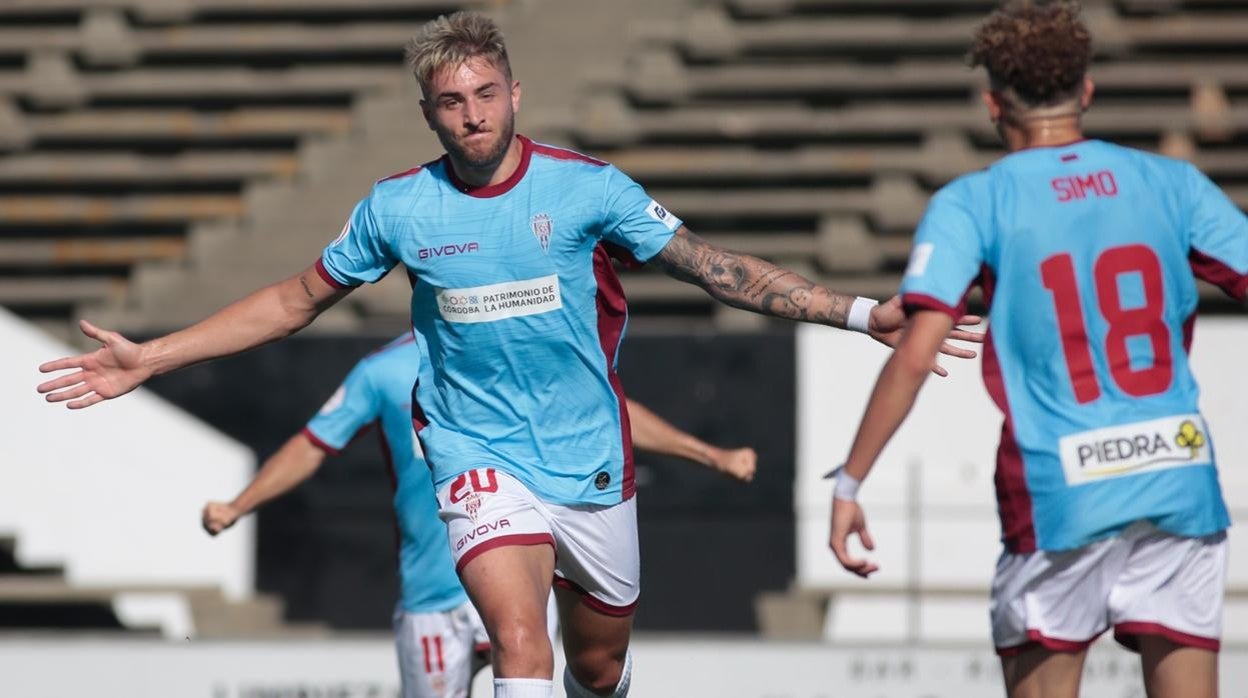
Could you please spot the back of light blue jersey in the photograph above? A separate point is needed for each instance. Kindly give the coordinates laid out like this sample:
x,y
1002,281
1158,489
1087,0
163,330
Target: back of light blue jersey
x,y
520,310
379,391
1087,255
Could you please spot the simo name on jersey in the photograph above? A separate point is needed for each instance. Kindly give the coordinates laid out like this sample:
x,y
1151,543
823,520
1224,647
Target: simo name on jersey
x,y
1077,187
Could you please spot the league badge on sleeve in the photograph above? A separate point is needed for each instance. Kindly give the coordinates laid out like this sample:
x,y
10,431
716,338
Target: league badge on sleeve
x,y
542,227
662,215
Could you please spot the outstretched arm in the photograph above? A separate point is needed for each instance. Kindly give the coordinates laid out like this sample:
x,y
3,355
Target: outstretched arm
x,y
120,365
894,394
652,433
753,284
292,464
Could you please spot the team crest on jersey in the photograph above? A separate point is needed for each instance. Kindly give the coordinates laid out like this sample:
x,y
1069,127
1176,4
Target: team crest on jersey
x,y
542,227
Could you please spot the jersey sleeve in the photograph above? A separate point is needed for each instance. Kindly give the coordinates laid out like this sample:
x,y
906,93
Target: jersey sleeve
x,y
1219,237
633,220
352,409
359,255
947,257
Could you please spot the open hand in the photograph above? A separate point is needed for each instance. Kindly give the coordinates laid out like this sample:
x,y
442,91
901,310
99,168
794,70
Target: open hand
x,y
108,372
847,519
888,319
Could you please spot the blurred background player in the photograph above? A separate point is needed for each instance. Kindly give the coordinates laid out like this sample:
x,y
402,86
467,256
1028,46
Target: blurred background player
x,y
522,315
437,631
1087,253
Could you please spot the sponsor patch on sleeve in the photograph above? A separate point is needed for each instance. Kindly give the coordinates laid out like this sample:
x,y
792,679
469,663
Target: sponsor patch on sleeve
x,y
918,259
335,401
662,215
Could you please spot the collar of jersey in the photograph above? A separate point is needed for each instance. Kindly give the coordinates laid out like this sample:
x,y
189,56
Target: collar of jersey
x,y
526,153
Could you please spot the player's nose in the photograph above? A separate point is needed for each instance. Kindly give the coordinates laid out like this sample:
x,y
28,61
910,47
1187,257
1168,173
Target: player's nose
x,y
474,116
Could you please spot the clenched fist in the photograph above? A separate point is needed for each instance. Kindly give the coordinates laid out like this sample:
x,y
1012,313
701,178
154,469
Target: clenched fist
x,y
219,516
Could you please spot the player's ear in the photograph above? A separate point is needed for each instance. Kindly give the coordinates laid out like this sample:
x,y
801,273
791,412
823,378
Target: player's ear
x,y
427,110
1089,89
993,101
515,96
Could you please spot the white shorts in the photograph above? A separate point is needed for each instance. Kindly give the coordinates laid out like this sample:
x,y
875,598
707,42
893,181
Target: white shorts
x,y
436,649
1143,581
596,552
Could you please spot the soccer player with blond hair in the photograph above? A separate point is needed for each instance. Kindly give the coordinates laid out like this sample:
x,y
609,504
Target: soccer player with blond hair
x,y
1088,255
521,415
438,635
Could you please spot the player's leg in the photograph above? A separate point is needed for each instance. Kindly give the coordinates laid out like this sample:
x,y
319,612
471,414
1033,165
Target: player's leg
x,y
480,646
509,586
1043,673
1167,605
1172,670
1047,608
504,553
434,653
595,646
597,582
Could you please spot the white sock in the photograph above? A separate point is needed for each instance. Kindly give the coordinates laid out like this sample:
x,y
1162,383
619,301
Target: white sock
x,y
575,690
626,677
523,688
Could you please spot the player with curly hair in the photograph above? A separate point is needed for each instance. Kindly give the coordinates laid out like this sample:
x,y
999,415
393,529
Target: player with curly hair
x,y
1088,255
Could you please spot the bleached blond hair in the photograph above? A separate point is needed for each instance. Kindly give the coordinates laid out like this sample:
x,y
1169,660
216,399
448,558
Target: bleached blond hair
x,y
452,40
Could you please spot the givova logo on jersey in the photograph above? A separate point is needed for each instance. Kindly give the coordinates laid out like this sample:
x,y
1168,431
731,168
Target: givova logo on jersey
x,y
1129,449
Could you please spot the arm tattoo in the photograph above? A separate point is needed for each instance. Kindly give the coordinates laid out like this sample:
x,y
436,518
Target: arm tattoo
x,y
306,288
750,283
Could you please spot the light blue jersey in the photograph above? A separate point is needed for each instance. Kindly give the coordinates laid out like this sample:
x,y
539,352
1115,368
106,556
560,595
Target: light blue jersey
x,y
520,310
1088,255
379,391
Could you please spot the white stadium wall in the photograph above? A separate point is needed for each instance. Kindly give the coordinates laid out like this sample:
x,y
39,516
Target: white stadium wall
x,y
676,665
113,493
930,501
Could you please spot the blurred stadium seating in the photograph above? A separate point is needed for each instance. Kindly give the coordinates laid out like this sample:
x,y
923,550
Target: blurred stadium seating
x,y
160,157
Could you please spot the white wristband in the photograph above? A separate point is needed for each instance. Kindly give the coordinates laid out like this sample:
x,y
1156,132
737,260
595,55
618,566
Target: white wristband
x,y
859,318
846,485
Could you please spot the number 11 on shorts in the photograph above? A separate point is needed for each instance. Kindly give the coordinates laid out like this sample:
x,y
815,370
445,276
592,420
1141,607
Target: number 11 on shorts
x,y
432,645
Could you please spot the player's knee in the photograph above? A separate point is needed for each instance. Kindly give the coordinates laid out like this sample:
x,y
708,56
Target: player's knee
x,y
597,670
523,647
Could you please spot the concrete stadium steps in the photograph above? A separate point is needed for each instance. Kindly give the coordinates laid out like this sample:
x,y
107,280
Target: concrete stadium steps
x,y
712,33
608,120
51,80
127,125
806,131
185,10
104,37
185,125
32,603
41,599
660,76
939,159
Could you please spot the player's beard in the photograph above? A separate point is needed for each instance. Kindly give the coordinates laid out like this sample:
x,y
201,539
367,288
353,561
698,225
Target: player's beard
x,y
482,160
